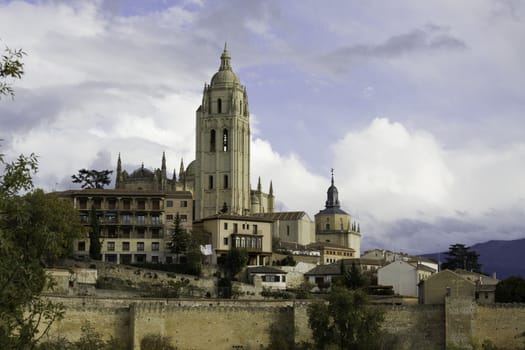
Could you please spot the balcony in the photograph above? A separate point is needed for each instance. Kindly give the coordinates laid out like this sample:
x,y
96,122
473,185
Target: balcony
x,y
251,243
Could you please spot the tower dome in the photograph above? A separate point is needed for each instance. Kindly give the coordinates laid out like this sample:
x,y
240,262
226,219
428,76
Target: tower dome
x,y
225,75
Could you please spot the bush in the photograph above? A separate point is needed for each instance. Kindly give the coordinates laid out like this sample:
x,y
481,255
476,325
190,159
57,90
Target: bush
x,y
157,342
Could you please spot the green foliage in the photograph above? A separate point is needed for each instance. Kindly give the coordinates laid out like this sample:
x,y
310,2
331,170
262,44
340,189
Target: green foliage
x,y
287,261
276,294
95,242
92,178
180,240
89,339
511,290
282,333
303,292
36,229
346,321
235,261
224,286
461,257
11,67
157,342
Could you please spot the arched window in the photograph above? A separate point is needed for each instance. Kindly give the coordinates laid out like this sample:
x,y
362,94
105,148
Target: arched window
x,y
210,182
219,105
226,181
225,140
212,140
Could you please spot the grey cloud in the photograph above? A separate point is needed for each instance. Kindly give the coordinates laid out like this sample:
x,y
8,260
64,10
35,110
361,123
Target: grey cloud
x,y
430,38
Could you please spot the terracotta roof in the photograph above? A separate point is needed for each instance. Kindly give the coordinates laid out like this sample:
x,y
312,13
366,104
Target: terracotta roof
x,y
283,215
236,217
321,245
265,269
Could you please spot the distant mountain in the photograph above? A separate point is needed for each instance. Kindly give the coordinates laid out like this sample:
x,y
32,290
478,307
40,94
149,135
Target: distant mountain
x,y
506,258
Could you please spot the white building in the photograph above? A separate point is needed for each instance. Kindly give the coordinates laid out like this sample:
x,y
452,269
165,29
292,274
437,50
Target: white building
x,y
404,277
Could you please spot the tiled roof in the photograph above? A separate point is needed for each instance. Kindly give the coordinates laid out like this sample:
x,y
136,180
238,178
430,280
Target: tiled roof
x,y
283,215
322,245
265,269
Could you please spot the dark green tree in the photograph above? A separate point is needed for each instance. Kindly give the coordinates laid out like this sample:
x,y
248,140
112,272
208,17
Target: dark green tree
x,y
235,261
11,67
92,178
460,256
35,230
180,239
95,242
511,290
346,321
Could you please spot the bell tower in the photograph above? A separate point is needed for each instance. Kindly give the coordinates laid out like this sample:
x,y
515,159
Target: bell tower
x,y
222,176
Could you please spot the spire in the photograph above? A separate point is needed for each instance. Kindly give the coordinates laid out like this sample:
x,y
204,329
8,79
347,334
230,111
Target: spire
x,y
119,172
259,185
174,177
163,167
271,189
225,59
332,200
182,174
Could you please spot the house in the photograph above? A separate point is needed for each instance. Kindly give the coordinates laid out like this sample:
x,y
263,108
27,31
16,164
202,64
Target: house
x,y
457,283
403,276
268,277
292,226
331,252
296,274
229,231
135,225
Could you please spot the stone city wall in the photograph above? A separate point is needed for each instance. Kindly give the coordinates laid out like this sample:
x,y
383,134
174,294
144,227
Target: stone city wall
x,y
223,324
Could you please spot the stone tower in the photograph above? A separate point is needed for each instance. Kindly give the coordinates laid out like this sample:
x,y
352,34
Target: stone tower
x,y
334,225
222,160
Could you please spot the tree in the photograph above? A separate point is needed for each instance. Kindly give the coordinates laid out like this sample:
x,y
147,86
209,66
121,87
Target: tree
x,y
180,239
511,290
11,67
346,321
92,178
35,230
95,243
461,257
235,261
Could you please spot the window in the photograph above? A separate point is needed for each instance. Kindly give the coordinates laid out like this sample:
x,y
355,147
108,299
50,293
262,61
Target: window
x,y
254,229
155,246
212,140
183,218
125,246
81,246
155,204
140,246
140,232
327,226
225,240
210,182
169,260
225,140
184,204
141,219
111,246
155,220
126,219
219,105
141,204
169,204
154,259
225,181
126,203
287,230
225,225
235,228
155,233
169,217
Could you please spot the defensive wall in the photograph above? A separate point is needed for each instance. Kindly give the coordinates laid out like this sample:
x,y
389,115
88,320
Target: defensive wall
x,y
469,324
246,324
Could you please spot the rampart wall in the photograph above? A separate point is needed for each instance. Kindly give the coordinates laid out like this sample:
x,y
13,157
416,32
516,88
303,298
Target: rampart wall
x,y
245,324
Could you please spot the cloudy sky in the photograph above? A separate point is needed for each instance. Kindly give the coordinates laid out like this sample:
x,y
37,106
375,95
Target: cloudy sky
x,y
419,106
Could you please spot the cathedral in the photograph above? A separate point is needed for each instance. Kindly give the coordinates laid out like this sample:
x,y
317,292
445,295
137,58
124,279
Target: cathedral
x,y
219,177
213,195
